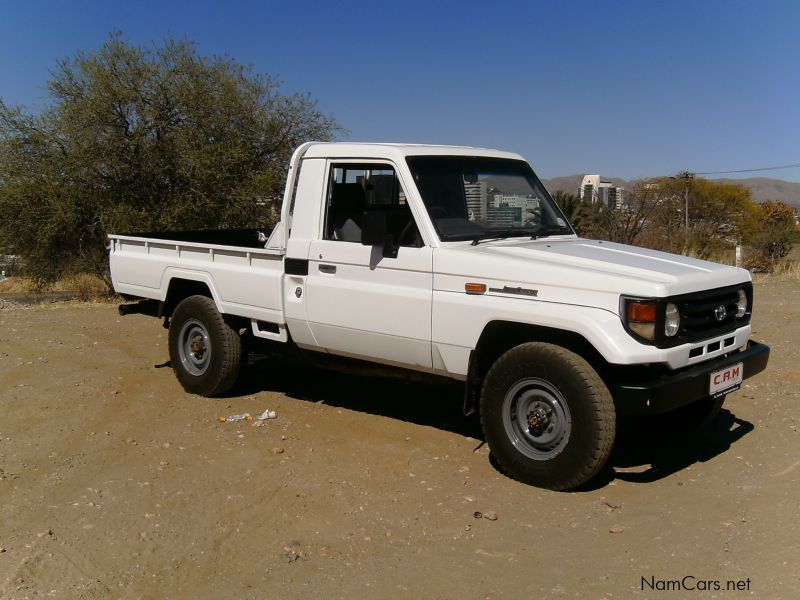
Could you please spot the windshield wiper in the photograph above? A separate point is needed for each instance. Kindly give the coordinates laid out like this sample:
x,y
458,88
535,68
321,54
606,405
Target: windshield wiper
x,y
545,230
497,234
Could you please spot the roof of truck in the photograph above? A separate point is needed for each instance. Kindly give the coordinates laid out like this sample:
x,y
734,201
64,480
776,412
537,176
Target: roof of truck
x,y
397,151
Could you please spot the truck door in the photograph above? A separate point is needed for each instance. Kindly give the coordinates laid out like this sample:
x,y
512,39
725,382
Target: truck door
x,y
359,302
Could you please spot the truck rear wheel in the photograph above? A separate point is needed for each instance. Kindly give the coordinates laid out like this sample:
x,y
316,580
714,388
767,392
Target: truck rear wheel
x,y
205,351
548,417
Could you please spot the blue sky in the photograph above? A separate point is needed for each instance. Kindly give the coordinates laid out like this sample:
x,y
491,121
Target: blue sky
x,y
626,89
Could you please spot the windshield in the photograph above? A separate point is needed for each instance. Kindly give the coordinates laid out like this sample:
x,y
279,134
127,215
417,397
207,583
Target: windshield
x,y
474,198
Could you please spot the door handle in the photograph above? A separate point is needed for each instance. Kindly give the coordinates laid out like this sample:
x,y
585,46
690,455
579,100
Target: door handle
x,y
331,269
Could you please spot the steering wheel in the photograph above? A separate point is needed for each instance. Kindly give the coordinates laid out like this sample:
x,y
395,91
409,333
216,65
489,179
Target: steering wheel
x,y
410,226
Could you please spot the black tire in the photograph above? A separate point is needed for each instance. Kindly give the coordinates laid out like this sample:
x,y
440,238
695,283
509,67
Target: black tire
x,y
560,449
205,351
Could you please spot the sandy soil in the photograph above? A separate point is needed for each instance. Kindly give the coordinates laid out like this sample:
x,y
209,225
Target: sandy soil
x,y
116,483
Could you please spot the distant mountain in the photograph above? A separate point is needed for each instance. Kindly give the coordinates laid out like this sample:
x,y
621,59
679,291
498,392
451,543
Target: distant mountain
x,y
570,183
508,184
763,188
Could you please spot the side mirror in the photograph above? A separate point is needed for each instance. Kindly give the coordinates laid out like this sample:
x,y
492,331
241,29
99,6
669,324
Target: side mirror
x,y
374,232
373,228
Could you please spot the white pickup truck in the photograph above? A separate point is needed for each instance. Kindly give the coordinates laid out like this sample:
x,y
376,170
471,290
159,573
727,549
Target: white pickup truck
x,y
455,262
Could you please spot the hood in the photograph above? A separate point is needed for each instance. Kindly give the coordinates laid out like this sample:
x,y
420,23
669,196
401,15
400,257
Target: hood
x,y
561,270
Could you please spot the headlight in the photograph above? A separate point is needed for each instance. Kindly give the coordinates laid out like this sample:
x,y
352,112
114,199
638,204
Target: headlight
x,y
672,320
741,305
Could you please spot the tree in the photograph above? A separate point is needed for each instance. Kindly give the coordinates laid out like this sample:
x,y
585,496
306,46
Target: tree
x,y
717,213
144,138
579,212
666,227
625,224
770,234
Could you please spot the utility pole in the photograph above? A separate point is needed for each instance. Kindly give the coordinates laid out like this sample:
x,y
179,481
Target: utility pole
x,y
686,176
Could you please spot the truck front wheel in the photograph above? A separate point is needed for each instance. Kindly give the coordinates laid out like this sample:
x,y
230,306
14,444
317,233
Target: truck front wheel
x,y
548,417
205,351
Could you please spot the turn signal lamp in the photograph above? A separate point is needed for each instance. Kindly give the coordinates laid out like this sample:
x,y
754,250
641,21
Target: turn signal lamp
x,y
475,288
642,319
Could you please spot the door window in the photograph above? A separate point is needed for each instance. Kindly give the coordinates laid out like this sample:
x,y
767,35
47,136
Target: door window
x,y
356,189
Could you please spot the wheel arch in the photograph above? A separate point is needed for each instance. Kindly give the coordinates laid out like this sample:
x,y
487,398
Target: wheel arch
x,y
500,336
181,286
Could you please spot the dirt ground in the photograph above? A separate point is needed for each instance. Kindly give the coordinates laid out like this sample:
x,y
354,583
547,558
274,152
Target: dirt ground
x,y
115,483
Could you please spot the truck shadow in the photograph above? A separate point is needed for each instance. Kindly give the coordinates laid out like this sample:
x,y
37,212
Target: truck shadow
x,y
438,405
640,454
646,454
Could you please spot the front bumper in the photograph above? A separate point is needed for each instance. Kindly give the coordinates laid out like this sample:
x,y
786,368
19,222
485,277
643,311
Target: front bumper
x,y
675,389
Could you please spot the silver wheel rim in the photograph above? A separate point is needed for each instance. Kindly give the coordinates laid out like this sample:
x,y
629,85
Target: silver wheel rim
x,y
194,347
536,418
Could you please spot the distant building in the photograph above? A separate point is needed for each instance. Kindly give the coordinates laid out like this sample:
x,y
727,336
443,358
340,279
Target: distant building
x,y
477,200
524,202
503,210
597,190
525,209
504,216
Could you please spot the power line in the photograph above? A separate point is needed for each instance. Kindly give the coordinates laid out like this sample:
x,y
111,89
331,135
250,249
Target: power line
x,y
749,170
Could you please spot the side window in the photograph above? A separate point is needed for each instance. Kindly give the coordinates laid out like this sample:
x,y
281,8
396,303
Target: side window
x,y
355,189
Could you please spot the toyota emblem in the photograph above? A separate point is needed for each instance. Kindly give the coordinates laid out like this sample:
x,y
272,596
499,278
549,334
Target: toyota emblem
x,y
720,313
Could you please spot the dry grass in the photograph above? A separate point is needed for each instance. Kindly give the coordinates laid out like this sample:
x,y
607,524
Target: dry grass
x,y
723,256
787,269
12,285
86,287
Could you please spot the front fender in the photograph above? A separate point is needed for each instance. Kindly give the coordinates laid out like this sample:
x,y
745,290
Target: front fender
x,y
459,320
